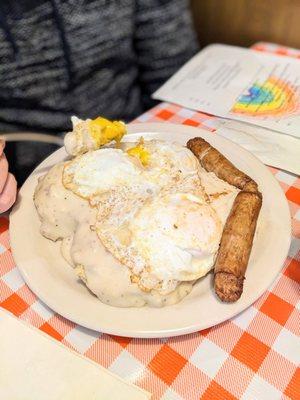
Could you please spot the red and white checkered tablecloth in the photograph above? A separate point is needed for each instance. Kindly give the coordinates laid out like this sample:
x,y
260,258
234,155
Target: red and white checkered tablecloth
x,y
253,356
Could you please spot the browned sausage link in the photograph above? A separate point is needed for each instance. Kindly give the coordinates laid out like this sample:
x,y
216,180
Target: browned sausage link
x,y
213,161
236,245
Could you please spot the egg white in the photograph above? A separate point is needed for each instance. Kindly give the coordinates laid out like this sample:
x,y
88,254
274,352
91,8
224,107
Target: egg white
x,y
129,214
177,235
162,222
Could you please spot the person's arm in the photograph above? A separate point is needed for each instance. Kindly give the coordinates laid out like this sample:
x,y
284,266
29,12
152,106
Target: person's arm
x,y
164,40
8,184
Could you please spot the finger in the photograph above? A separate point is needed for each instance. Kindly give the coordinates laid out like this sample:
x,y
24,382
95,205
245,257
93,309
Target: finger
x,y
2,145
3,171
8,195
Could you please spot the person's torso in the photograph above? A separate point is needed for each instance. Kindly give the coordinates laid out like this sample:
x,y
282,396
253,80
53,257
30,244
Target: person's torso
x,y
59,58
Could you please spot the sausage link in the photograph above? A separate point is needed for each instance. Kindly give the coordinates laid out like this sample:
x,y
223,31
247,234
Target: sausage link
x,y
213,161
236,245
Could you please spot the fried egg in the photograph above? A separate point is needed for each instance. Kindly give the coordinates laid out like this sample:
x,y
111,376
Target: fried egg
x,y
96,172
129,193
100,171
165,163
153,214
148,208
177,236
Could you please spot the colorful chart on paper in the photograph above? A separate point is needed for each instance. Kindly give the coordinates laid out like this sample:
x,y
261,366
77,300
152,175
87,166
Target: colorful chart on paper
x,y
274,97
241,84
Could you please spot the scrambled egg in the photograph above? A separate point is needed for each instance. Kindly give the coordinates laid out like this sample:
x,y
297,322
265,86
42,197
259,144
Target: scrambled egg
x,y
104,131
92,134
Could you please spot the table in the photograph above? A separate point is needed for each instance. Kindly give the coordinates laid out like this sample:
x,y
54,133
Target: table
x,y
253,356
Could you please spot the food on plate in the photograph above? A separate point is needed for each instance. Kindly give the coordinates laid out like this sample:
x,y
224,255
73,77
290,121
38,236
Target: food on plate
x,y
140,222
239,230
213,161
91,134
140,152
236,245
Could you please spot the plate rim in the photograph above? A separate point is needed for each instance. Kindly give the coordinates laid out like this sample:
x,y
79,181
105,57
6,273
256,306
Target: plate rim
x,y
138,128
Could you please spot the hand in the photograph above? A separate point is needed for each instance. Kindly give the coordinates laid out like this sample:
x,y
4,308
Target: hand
x,y
8,184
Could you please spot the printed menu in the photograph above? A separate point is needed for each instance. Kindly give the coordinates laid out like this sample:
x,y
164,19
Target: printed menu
x,y
241,84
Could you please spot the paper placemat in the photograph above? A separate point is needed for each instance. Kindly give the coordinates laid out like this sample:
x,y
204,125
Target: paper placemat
x,y
35,366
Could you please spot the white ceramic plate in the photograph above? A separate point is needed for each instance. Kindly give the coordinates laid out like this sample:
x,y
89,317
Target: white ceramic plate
x,y
54,281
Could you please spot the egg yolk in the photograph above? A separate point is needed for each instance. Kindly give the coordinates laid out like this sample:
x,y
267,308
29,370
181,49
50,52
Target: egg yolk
x,y
141,153
104,131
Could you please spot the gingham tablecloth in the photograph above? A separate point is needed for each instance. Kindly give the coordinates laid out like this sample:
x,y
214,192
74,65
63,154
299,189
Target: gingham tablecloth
x,y
253,356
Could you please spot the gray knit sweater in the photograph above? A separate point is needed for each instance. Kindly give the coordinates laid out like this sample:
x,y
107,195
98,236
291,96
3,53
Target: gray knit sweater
x,y
86,57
